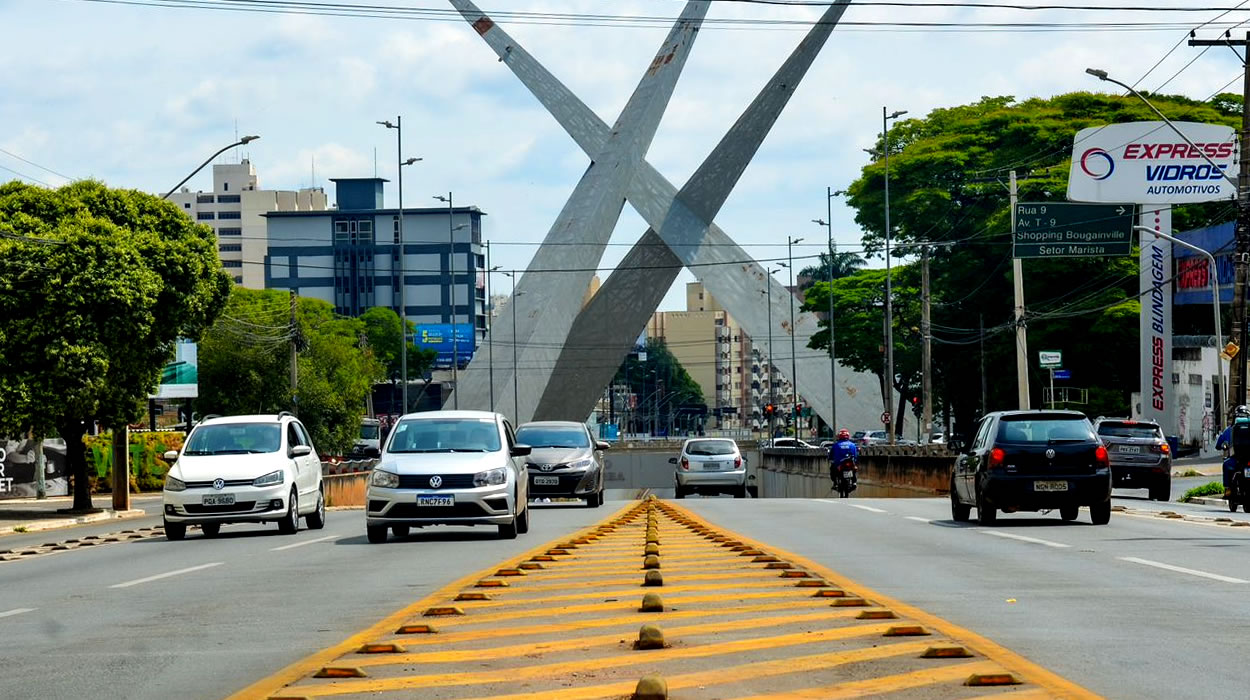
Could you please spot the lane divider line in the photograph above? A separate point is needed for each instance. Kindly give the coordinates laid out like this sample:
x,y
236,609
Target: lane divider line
x,y
1183,570
16,611
918,519
167,574
1023,538
870,509
285,547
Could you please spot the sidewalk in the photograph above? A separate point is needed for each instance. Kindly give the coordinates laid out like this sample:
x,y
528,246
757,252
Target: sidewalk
x,y
21,515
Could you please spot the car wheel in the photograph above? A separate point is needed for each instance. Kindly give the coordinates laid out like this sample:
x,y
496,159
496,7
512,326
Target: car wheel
x,y
175,531
376,533
986,514
599,500
211,529
523,521
741,491
959,511
681,492
289,524
1162,492
1232,505
1100,513
1069,512
400,530
508,531
317,519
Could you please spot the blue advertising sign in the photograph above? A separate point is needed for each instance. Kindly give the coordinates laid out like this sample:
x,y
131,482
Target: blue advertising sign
x,y
609,431
1063,374
438,337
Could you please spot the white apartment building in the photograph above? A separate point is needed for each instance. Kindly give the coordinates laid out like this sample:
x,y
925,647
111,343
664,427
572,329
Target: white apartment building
x,y
235,210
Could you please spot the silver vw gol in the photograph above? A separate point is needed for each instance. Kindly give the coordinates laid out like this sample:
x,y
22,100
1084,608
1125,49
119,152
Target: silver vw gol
x,y
449,468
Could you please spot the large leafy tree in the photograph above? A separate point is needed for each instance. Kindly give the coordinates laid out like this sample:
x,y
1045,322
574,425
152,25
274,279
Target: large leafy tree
x,y
96,285
836,266
661,381
382,332
948,186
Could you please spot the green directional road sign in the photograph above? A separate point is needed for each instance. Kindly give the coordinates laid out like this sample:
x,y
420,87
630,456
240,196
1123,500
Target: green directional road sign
x,y
1065,230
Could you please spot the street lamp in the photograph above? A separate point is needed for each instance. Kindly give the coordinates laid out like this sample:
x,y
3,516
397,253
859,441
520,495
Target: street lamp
x,y
516,394
889,302
490,322
772,390
794,361
240,142
455,336
403,276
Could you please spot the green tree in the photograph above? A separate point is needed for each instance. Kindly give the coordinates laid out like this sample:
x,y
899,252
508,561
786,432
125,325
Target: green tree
x,y
844,264
96,285
658,380
382,331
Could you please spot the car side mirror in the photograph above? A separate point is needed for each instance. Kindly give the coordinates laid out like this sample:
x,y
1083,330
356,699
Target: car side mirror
x,y
171,456
672,460
301,451
601,445
521,450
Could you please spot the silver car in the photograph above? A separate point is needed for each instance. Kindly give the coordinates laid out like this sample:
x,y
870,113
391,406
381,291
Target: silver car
x,y
566,462
449,468
710,466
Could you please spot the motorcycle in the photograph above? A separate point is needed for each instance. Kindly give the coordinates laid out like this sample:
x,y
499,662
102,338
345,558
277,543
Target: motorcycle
x,y
1239,489
845,477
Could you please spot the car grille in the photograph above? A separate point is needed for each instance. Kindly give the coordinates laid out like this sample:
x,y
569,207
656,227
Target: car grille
x,y
412,510
209,484
550,467
236,507
566,485
422,481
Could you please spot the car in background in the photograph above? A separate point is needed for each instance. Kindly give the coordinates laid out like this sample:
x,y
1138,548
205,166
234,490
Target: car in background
x,y
873,437
1031,461
566,461
710,466
369,442
792,444
937,439
244,469
1141,457
858,434
449,468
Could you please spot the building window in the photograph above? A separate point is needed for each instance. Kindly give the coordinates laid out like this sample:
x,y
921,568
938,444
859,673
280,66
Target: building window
x,y
229,215
341,232
232,263
204,215
229,199
225,186
366,231
230,248
186,205
203,199
229,232
395,225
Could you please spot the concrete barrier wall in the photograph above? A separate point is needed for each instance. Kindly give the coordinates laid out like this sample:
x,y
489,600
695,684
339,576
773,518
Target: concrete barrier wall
x,y
647,467
345,489
884,472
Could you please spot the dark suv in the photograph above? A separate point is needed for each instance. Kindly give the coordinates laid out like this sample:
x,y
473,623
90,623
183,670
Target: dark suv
x,y
1032,460
1140,456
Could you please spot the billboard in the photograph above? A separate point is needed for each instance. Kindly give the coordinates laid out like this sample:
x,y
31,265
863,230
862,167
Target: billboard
x,y
180,378
18,464
1148,163
438,337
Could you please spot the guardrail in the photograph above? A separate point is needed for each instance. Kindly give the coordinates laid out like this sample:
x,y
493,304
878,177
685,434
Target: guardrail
x,y
884,471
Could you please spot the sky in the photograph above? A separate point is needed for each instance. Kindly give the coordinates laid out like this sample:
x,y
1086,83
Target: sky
x,y
137,94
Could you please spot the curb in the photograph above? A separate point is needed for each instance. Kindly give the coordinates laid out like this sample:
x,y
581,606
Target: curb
x,y
1208,501
41,525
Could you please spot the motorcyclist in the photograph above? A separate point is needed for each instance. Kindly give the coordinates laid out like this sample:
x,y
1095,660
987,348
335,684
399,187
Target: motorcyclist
x,y
841,451
1241,414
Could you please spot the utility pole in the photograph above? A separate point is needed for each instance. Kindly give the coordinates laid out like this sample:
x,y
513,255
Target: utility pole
x,y
926,386
490,321
121,466
1241,237
1022,341
294,358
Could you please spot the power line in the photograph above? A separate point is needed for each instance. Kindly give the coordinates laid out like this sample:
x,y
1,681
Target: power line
x,y
41,167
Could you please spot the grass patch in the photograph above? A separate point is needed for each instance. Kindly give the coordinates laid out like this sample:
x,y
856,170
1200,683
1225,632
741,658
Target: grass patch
x,y
20,529
1190,472
1213,488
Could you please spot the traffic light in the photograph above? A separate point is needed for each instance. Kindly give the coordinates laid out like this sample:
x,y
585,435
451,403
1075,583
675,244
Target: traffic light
x,y
798,410
768,410
915,405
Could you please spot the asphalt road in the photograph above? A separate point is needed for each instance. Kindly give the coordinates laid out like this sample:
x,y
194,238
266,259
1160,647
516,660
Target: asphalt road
x,y
203,618
1097,605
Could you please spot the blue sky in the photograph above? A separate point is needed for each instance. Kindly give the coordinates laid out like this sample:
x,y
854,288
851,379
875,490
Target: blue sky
x,y
138,96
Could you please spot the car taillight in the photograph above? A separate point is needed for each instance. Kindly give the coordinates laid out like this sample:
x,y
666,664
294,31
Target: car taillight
x,y
737,462
1163,448
685,464
996,457
1100,454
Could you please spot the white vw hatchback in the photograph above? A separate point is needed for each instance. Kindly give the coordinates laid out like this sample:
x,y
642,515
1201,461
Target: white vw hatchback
x,y
236,469
449,468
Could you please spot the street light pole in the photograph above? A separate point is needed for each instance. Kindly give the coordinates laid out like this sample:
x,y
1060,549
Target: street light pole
x,y
772,389
794,360
490,323
889,302
240,142
833,363
403,275
516,394
455,336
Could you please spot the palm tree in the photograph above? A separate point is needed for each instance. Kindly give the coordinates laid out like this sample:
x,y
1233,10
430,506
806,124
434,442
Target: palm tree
x,y
844,265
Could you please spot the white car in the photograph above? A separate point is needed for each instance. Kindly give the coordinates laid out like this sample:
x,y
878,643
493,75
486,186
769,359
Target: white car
x,y
710,466
792,444
253,469
449,468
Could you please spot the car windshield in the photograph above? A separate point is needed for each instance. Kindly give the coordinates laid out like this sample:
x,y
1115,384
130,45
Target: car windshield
x,y
711,447
1044,430
445,435
549,436
1129,430
234,439
368,432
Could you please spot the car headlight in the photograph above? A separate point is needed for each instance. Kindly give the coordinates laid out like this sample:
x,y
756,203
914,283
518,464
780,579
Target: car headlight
x,y
493,477
581,463
174,484
270,479
386,480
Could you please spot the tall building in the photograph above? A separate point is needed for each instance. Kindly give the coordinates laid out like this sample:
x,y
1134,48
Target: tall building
x,y
350,257
235,210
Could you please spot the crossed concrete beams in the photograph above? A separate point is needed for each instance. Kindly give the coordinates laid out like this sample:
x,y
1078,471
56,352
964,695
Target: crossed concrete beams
x,y
682,233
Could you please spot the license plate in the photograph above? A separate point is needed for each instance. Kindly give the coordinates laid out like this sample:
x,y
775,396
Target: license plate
x,y
711,466
1248,471
1050,486
1130,449
847,474
219,499
423,500
546,481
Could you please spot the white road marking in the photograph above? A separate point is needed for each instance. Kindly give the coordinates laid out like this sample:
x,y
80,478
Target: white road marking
x,y
16,611
918,519
1183,570
868,508
301,544
167,574
1022,538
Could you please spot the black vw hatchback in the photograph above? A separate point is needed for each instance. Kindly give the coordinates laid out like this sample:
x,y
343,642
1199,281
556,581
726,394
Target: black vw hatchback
x,y
1032,460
